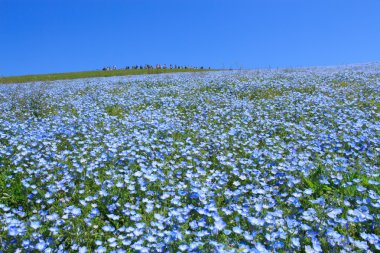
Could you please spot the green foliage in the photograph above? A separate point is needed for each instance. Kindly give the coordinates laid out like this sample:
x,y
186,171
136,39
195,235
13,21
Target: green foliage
x,y
87,74
71,110
342,84
12,192
34,105
369,105
63,143
115,110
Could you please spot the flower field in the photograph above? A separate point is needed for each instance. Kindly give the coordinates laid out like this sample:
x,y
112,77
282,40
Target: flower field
x,y
229,161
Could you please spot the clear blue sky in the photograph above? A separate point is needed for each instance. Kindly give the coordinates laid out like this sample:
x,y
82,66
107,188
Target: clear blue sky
x,y
44,36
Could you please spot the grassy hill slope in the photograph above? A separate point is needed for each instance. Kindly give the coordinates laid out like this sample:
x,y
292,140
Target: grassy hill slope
x,y
87,74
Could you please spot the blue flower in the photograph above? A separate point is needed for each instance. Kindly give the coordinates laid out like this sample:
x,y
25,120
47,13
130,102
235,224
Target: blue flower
x,y
82,249
101,249
35,224
194,195
183,247
108,228
41,245
296,242
219,224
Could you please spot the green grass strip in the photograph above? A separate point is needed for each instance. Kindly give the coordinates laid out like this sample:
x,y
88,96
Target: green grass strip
x,y
88,74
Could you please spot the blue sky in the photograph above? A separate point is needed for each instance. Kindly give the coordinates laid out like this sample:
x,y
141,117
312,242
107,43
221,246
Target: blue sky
x,y
45,36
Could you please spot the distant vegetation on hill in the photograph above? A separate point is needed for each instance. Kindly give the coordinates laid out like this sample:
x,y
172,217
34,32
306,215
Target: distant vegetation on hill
x,y
88,74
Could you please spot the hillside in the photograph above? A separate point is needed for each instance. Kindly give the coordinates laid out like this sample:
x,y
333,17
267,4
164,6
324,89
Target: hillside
x,y
88,74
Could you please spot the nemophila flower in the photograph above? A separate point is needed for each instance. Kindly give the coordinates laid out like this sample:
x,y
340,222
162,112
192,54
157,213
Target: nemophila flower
x,y
360,244
189,156
183,247
359,215
261,248
309,249
333,214
227,231
126,242
112,242
219,224
258,207
319,201
309,214
101,249
113,216
25,244
256,221
54,230
237,230
149,208
74,211
35,224
82,249
305,227
361,188
296,242
316,245
194,195
371,238
372,182
308,191
41,245
108,228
